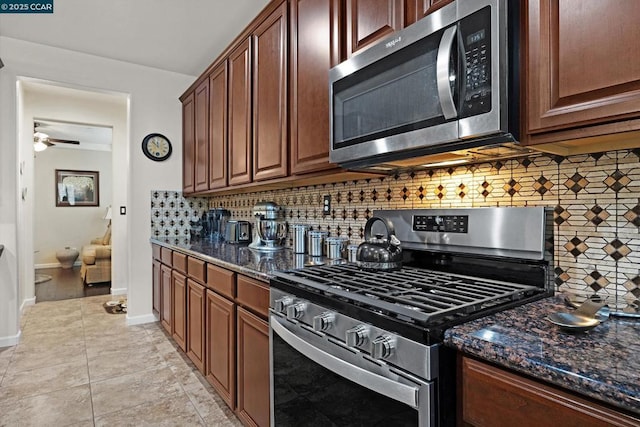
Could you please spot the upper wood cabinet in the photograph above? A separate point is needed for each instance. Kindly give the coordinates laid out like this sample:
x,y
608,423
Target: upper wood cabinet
x,y
270,96
313,51
370,20
188,143
218,127
240,114
581,79
418,9
201,175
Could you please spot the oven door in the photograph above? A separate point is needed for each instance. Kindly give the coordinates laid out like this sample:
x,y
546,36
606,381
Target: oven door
x,y
317,381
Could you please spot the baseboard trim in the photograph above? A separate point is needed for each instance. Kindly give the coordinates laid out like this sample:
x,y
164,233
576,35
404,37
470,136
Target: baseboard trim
x,y
119,291
27,302
10,341
54,265
139,320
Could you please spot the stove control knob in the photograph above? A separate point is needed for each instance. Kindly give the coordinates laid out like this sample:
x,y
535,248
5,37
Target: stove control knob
x,y
281,304
323,321
383,346
357,335
296,310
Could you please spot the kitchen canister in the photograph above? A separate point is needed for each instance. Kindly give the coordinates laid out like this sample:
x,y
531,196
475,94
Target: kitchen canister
x,y
316,242
335,247
299,235
352,252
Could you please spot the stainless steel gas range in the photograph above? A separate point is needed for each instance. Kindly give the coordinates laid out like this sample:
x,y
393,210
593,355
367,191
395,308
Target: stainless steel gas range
x,y
351,347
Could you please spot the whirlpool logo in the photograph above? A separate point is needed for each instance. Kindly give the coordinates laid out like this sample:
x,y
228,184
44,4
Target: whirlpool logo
x,y
393,42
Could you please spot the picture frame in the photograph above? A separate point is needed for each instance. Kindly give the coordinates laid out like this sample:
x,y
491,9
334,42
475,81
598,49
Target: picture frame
x,y
77,188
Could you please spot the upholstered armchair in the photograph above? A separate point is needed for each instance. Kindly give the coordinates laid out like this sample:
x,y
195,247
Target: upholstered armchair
x,y
96,260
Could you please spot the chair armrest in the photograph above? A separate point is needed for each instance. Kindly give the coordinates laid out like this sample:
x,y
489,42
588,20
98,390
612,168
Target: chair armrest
x,y
96,241
103,251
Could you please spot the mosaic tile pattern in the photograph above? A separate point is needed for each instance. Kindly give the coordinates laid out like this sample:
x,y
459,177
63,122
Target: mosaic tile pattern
x,y
595,197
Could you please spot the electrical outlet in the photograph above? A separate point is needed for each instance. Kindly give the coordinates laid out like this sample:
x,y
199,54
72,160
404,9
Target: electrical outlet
x,y
326,204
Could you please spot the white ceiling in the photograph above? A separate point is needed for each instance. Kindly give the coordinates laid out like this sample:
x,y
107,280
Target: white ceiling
x,y
183,36
90,137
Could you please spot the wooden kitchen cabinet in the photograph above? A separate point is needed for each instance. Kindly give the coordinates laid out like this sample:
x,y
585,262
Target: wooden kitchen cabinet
x,y
368,21
201,125
580,78
270,59
188,143
239,100
196,295
179,309
156,286
418,9
313,52
253,369
165,298
220,342
218,127
490,396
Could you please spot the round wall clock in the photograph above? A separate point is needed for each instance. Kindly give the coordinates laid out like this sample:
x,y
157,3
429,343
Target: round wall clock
x,y
156,147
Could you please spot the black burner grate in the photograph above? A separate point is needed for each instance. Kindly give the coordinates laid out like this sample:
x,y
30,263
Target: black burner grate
x,y
419,295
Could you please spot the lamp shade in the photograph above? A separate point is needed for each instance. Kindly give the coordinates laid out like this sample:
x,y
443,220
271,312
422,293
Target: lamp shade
x,y
107,215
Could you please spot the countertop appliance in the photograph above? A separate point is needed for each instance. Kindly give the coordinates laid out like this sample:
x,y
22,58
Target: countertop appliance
x,y
356,347
237,231
216,223
448,83
270,229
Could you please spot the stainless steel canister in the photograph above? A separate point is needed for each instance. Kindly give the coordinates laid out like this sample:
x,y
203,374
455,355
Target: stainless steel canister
x,y
299,235
352,252
335,247
316,242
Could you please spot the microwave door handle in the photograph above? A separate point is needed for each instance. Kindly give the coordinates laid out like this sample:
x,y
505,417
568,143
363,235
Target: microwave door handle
x,y
384,386
443,73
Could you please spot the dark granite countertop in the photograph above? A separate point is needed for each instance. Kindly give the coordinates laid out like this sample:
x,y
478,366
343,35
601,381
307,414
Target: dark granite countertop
x,y
239,258
602,363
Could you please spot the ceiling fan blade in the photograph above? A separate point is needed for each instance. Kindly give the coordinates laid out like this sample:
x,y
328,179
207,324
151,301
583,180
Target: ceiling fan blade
x,y
64,141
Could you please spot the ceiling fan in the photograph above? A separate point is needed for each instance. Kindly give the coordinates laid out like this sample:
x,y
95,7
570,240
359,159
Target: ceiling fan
x,y
41,140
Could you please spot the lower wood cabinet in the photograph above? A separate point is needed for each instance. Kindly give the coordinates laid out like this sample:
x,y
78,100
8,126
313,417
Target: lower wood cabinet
x,y
156,281
253,369
490,396
179,308
220,340
196,295
165,298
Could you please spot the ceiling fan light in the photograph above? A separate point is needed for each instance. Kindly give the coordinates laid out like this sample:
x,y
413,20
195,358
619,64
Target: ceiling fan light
x,y
39,146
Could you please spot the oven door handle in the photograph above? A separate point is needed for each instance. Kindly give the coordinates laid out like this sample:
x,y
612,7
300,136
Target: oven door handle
x,y
392,389
443,72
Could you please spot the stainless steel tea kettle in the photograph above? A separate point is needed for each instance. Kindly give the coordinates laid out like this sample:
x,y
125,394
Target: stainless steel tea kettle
x,y
379,253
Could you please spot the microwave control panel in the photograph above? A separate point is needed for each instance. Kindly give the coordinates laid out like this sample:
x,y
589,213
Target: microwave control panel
x,y
441,223
475,31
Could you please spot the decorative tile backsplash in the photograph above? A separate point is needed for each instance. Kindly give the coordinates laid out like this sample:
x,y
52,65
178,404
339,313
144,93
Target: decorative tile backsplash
x,y
596,202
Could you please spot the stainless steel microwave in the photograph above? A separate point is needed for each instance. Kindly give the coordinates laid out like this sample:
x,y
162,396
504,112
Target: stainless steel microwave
x,y
446,83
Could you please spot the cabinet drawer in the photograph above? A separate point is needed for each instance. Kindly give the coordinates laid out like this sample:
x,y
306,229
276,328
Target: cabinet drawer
x,y
197,270
253,294
180,262
156,250
166,256
221,280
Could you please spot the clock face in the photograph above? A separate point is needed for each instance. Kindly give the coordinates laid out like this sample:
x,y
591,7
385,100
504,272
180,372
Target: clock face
x,y
156,147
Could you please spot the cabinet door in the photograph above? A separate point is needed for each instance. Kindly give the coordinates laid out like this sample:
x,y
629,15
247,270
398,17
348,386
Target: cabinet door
x,y
240,114
580,71
221,346
188,143
195,324
157,283
370,20
202,137
253,369
218,127
418,9
311,50
165,299
270,96
179,309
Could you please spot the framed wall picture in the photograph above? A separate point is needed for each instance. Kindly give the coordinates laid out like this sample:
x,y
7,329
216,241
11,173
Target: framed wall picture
x,y
77,188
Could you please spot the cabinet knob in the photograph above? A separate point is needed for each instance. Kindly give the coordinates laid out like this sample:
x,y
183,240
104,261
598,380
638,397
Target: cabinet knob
x,y
382,346
357,335
323,321
296,310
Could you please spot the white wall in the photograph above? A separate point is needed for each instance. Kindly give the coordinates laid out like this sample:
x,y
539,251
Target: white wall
x,y
153,107
74,226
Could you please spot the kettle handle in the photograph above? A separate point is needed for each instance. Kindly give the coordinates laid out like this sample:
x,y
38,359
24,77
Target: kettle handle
x,y
388,225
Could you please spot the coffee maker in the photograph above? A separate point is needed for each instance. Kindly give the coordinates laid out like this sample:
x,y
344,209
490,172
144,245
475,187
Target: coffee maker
x,y
270,229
